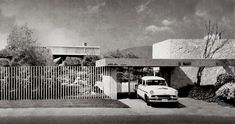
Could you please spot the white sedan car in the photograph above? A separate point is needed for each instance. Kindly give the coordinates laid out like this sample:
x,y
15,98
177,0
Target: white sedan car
x,y
154,89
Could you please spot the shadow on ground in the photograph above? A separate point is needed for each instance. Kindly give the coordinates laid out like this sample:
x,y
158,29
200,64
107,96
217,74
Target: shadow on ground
x,y
101,103
167,105
155,105
126,95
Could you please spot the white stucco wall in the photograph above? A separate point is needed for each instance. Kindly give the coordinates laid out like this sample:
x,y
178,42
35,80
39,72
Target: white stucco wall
x,y
161,50
110,84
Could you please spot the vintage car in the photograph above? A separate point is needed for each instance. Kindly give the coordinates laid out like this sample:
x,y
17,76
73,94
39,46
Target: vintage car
x,y
155,89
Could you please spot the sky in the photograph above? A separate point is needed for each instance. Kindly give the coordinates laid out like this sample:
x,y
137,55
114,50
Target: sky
x,y
115,24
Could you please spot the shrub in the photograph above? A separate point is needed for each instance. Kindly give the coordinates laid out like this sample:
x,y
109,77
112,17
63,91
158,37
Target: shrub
x,y
206,93
223,79
90,60
184,91
4,62
73,61
222,91
227,91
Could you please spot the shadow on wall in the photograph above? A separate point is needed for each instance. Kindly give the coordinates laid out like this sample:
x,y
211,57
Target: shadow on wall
x,y
165,72
179,78
181,81
182,76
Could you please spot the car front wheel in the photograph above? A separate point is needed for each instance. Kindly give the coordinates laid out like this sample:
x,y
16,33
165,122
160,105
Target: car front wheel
x,y
147,100
137,96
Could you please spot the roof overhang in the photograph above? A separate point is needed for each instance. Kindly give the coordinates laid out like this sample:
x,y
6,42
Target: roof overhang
x,y
119,62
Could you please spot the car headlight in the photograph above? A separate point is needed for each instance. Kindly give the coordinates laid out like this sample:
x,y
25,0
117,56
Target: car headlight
x,y
151,92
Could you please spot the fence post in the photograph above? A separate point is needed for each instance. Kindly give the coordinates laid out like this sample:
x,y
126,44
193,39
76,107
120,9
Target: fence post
x,y
113,83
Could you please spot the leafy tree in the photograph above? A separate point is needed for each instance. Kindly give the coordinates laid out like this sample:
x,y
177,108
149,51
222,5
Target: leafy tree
x,y
24,50
4,54
86,61
90,60
73,61
213,44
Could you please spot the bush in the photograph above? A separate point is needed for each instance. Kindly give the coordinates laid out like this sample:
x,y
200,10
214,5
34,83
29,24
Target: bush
x,y
206,93
222,91
90,60
223,79
4,62
184,91
227,91
73,61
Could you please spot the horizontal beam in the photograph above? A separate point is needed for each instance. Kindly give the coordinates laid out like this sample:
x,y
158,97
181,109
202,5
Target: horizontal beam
x,y
97,47
119,62
75,51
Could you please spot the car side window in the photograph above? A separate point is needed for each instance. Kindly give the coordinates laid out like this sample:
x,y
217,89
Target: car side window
x,y
166,83
139,81
143,82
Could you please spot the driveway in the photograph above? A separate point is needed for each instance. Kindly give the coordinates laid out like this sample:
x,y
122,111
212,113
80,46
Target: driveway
x,y
186,106
138,107
187,111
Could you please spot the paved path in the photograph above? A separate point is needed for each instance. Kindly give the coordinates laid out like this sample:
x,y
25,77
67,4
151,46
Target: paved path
x,y
138,107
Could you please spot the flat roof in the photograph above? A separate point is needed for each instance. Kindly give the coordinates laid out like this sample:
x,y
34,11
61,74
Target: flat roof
x,y
152,78
119,62
73,47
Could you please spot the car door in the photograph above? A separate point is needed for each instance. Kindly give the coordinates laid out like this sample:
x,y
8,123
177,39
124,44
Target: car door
x,y
144,89
141,89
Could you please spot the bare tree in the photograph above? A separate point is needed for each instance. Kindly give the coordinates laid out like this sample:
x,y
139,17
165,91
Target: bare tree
x,y
213,44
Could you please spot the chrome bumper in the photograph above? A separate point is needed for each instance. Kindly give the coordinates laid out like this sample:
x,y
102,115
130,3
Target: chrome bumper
x,y
162,100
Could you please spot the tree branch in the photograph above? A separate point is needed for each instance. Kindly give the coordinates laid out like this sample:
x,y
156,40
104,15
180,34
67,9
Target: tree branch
x,y
219,47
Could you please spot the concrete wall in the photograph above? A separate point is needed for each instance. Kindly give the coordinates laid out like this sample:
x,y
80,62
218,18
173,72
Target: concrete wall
x,y
162,50
191,49
110,84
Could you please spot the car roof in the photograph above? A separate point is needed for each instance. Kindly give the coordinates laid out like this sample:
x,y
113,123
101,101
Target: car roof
x,y
152,78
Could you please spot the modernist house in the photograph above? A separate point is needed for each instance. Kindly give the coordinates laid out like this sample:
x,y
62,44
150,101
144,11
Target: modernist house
x,y
178,60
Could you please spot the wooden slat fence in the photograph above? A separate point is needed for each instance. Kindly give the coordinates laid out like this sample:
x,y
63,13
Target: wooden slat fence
x,y
52,82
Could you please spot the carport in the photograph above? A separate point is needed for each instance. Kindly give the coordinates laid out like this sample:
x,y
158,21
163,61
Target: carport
x,y
166,66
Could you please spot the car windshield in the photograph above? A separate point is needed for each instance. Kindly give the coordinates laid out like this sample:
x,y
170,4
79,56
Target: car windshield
x,y
156,82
